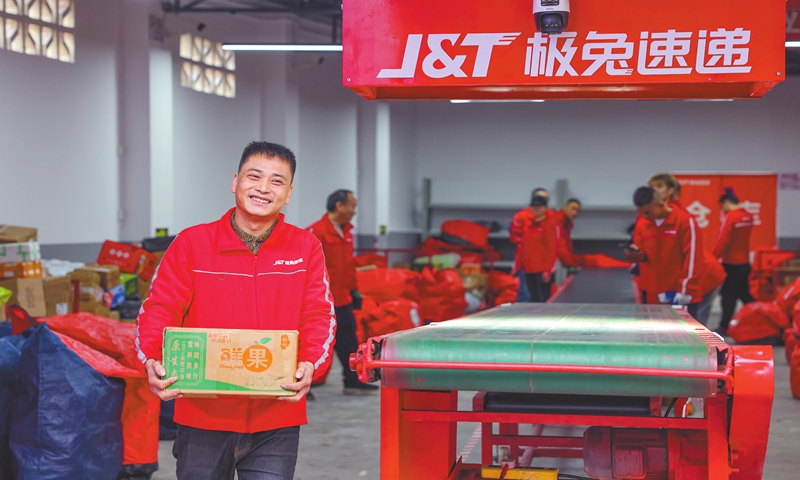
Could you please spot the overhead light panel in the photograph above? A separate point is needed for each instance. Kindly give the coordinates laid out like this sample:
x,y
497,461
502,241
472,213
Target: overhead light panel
x,y
273,47
793,44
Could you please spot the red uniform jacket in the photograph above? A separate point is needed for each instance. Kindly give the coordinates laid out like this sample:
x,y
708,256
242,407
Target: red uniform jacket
x,y
208,278
538,248
733,243
338,258
674,255
520,223
566,252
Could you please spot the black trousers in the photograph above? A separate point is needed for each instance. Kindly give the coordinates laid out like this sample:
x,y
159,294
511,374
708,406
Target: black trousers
x,y
346,342
735,287
538,288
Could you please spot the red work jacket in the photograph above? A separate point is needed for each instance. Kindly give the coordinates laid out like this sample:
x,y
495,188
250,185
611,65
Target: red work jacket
x,y
208,278
520,222
538,249
338,258
674,255
733,243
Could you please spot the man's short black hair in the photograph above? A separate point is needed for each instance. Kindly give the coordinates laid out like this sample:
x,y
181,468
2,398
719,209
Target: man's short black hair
x,y
540,189
573,200
337,197
269,150
729,196
645,196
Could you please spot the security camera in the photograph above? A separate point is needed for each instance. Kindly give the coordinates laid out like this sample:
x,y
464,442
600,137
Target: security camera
x,y
551,16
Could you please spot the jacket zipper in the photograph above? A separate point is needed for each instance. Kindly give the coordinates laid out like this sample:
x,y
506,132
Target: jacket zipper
x,y
258,325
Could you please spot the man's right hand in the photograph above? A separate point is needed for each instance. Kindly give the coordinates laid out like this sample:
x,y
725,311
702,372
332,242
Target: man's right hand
x,y
633,254
155,371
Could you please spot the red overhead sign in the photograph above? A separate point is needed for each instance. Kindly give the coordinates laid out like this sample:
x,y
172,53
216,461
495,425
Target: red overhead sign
x,y
467,49
793,20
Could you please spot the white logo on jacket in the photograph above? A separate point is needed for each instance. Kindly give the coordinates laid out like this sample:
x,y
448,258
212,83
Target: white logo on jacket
x,y
288,262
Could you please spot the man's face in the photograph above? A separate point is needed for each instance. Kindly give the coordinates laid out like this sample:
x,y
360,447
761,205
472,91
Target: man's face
x,y
572,210
667,193
655,210
346,211
263,186
538,212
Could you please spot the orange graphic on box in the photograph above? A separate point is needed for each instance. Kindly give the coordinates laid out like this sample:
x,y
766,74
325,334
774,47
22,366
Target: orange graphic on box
x,y
257,358
285,341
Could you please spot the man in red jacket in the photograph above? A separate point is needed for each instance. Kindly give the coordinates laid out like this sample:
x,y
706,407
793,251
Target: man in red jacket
x,y
538,250
666,247
733,247
565,219
334,232
247,270
519,223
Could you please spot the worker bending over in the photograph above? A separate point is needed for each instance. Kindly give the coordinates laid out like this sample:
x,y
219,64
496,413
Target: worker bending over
x,y
247,270
667,248
518,222
733,248
538,238
565,219
334,230
710,273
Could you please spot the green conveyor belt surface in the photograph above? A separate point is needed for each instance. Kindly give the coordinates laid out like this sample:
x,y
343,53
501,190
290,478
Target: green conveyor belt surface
x,y
648,336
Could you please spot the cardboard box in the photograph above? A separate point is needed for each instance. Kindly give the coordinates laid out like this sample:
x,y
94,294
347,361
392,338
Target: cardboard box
x,y
20,252
93,306
15,234
28,293
108,274
58,295
475,283
143,286
128,258
211,362
129,283
21,270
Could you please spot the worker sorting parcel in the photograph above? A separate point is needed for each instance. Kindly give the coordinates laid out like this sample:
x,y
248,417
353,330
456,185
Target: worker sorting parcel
x,y
247,270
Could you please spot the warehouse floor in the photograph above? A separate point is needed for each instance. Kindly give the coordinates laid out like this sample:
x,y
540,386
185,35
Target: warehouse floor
x,y
341,442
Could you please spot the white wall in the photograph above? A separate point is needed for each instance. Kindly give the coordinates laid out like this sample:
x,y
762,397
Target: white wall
x,y
497,153
404,190
58,134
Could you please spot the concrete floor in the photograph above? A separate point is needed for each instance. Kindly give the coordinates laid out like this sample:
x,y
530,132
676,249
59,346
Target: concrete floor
x,y
341,442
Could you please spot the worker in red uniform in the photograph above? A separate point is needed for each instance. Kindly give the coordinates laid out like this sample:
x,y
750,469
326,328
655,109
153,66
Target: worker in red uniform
x,y
733,248
539,250
565,219
247,270
518,224
667,187
667,249
334,230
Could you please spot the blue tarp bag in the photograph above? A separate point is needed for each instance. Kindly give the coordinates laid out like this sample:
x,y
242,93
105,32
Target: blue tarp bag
x,y
9,368
65,415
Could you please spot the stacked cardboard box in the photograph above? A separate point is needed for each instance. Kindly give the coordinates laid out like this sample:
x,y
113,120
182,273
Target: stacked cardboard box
x,y
101,289
20,256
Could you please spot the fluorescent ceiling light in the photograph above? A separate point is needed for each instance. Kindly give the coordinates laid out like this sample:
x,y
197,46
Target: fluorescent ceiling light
x,y
267,47
496,101
793,44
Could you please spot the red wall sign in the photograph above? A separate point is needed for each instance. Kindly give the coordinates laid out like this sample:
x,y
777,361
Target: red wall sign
x,y
757,194
793,20
628,49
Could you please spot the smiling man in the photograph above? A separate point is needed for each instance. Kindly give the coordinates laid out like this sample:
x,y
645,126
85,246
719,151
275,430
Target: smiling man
x,y
247,270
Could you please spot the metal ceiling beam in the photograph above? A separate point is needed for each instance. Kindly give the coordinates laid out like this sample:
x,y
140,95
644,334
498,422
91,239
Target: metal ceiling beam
x,y
194,6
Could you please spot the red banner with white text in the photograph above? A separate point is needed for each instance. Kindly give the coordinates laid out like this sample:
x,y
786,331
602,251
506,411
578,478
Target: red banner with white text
x,y
757,193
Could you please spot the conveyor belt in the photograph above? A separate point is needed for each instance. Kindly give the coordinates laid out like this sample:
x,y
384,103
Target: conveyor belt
x,y
645,336
598,285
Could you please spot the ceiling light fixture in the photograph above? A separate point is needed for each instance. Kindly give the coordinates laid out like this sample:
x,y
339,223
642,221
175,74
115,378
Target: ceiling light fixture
x,y
793,44
273,47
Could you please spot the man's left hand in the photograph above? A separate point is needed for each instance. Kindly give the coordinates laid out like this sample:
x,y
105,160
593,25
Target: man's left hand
x,y
305,370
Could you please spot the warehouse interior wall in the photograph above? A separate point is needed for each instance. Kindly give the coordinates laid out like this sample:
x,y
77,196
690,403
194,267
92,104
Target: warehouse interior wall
x,y
497,153
115,147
